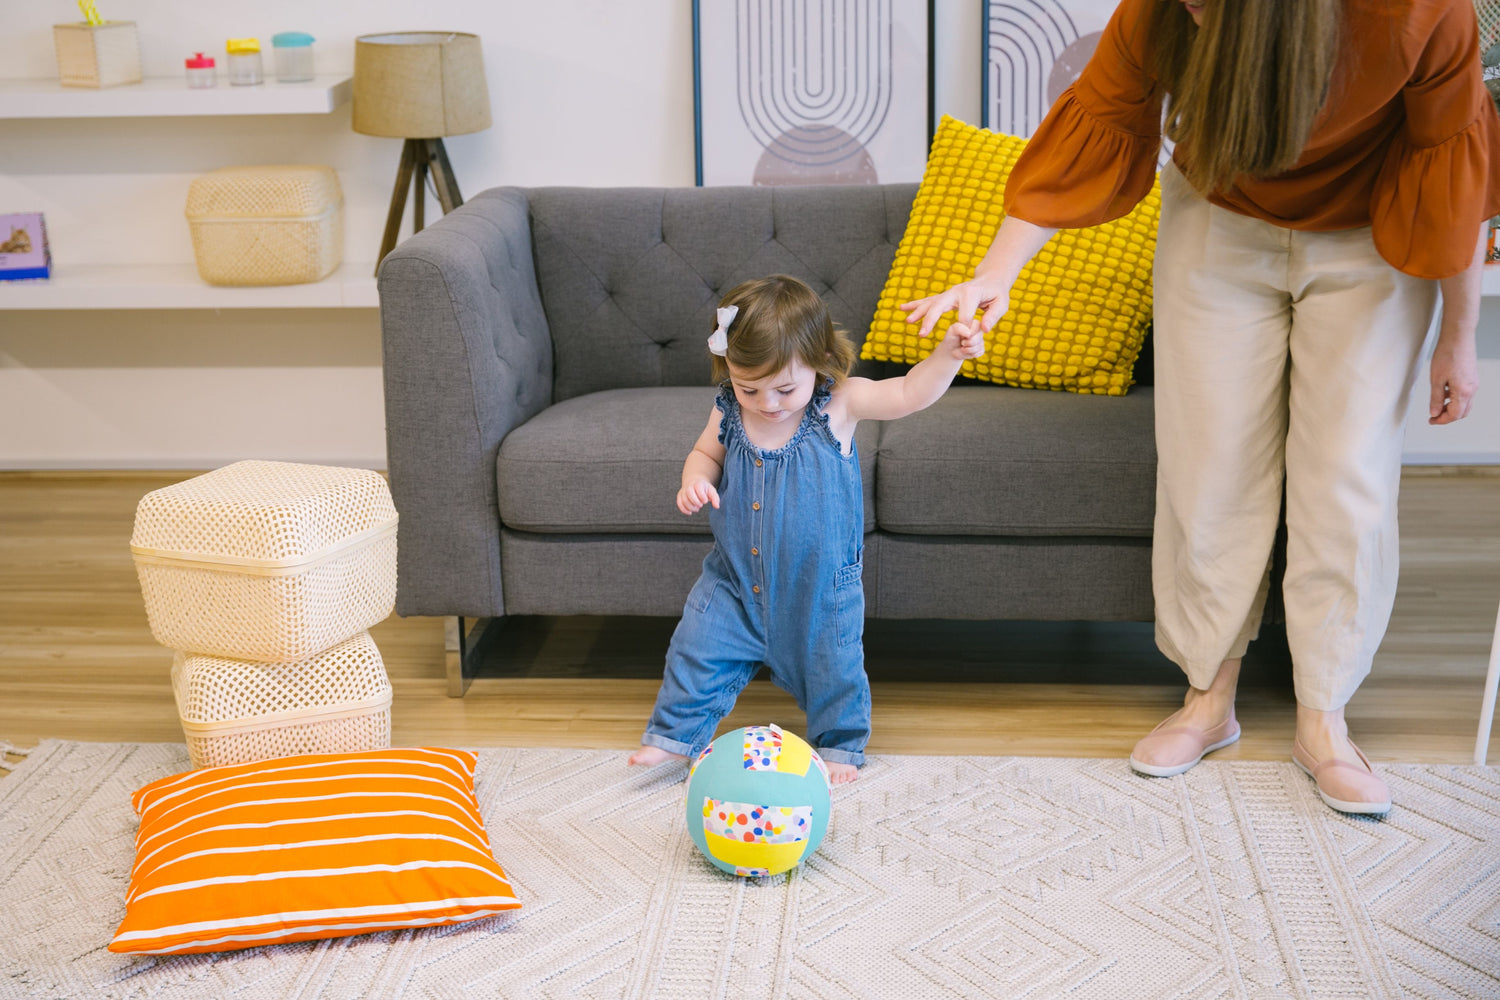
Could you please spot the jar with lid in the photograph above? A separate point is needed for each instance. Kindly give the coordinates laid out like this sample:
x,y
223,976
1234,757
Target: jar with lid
x,y
294,56
244,61
201,72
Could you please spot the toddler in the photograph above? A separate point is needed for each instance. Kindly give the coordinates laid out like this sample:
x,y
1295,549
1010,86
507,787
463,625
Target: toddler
x,y
777,467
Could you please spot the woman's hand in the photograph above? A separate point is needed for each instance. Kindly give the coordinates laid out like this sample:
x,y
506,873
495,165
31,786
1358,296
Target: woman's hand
x,y
988,292
1016,242
1455,379
1455,360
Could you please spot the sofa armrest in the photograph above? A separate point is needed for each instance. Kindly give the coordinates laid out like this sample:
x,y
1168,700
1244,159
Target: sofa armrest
x,y
468,357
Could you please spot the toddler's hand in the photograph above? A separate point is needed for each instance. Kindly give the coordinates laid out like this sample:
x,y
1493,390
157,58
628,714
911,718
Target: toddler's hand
x,y
966,340
693,495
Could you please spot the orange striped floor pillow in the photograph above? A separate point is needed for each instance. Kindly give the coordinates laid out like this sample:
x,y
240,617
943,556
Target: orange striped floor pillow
x,y
317,846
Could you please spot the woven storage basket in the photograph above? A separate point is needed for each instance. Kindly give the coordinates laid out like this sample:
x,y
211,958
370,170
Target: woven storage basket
x,y
268,561
266,225
234,711
97,55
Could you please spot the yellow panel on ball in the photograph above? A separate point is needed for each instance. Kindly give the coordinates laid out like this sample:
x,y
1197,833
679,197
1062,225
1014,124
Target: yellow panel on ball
x,y
745,858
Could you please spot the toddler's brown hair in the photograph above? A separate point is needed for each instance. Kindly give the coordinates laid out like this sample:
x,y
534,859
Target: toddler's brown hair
x,y
779,319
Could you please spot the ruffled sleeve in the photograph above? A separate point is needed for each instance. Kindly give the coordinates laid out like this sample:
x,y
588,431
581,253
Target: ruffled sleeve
x,y
729,410
1093,158
822,394
1441,175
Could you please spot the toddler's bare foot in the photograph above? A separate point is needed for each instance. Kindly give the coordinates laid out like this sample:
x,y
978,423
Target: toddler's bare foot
x,y
646,756
841,774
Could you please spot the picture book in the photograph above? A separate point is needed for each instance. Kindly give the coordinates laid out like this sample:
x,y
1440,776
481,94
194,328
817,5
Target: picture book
x,y
23,247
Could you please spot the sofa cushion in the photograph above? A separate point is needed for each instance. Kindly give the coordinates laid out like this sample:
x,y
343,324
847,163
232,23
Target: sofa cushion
x,y
988,460
611,462
1057,578
630,276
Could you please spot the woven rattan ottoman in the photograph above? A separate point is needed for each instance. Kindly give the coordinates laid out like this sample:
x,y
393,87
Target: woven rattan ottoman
x,y
236,711
267,561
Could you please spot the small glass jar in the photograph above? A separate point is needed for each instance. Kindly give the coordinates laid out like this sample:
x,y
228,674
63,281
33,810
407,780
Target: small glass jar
x,y
294,56
201,72
244,61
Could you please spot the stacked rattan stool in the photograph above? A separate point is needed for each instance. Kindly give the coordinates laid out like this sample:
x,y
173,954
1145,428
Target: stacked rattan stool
x,y
264,577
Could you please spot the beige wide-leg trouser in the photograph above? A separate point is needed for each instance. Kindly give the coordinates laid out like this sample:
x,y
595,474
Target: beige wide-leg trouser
x,y
1278,354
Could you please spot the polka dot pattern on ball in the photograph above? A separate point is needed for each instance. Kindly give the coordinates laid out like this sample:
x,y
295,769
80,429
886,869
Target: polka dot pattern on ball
x,y
757,824
762,747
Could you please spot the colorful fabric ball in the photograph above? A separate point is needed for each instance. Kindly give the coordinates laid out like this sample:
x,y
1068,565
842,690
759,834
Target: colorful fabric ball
x,y
758,801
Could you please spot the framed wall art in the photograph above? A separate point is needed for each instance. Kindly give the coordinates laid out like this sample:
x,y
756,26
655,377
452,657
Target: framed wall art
x,y
1033,50
811,91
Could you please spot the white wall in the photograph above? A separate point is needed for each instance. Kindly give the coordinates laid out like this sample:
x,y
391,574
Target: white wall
x,y
583,92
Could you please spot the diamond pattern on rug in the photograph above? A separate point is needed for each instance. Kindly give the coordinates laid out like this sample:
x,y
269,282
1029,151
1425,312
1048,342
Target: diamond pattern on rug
x,y
939,877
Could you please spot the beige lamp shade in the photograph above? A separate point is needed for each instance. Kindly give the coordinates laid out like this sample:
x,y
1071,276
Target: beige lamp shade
x,y
420,85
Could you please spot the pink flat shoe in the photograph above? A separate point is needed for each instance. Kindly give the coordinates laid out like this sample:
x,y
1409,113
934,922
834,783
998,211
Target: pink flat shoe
x,y
1344,786
1172,748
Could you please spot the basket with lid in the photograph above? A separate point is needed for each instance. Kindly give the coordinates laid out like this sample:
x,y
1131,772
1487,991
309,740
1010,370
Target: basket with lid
x,y
273,225
235,711
268,561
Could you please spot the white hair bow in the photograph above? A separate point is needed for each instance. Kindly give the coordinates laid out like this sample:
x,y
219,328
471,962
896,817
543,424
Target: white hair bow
x,y
718,341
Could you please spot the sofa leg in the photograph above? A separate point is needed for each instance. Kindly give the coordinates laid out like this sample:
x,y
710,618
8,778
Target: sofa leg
x,y
465,642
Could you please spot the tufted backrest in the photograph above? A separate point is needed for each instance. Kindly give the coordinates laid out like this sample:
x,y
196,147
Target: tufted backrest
x,y
629,277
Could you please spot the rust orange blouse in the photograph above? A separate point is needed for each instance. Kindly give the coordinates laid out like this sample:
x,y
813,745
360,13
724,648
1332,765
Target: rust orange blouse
x,y
1408,142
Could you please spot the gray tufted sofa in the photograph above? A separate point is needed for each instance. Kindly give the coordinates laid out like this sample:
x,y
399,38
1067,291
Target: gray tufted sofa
x,y
546,374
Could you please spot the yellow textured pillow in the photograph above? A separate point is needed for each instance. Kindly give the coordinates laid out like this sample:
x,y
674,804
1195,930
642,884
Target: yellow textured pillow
x,y
1078,312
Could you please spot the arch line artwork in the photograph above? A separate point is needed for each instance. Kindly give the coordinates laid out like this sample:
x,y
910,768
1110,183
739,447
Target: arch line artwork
x,y
1033,50
811,91
1024,42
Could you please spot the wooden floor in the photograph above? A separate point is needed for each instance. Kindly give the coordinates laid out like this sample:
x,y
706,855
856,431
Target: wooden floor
x,y
78,662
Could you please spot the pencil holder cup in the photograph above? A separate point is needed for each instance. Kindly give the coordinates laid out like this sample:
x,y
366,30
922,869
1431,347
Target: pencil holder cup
x,y
97,55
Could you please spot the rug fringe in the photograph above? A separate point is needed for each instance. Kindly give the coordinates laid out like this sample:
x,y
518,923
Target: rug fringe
x,y
7,747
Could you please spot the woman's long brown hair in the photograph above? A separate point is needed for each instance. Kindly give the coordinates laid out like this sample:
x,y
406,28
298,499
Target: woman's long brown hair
x,y
1244,88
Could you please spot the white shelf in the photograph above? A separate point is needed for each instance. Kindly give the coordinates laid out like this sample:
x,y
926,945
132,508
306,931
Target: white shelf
x,y
169,96
177,286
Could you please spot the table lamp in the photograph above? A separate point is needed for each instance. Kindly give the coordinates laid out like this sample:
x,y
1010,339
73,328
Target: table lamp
x,y
419,86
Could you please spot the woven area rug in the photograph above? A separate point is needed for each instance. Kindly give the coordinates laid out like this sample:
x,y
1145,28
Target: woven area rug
x,y
940,877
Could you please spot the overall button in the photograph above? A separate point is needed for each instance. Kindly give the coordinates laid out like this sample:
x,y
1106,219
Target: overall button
x,y
755,505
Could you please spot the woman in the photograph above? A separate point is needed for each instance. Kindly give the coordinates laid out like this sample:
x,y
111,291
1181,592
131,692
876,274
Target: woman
x,y
1334,161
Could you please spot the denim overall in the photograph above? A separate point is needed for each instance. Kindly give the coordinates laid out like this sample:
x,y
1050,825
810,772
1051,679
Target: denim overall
x,y
782,587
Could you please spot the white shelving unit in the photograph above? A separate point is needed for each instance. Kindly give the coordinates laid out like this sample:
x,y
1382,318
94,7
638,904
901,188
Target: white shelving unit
x,y
177,286
170,97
